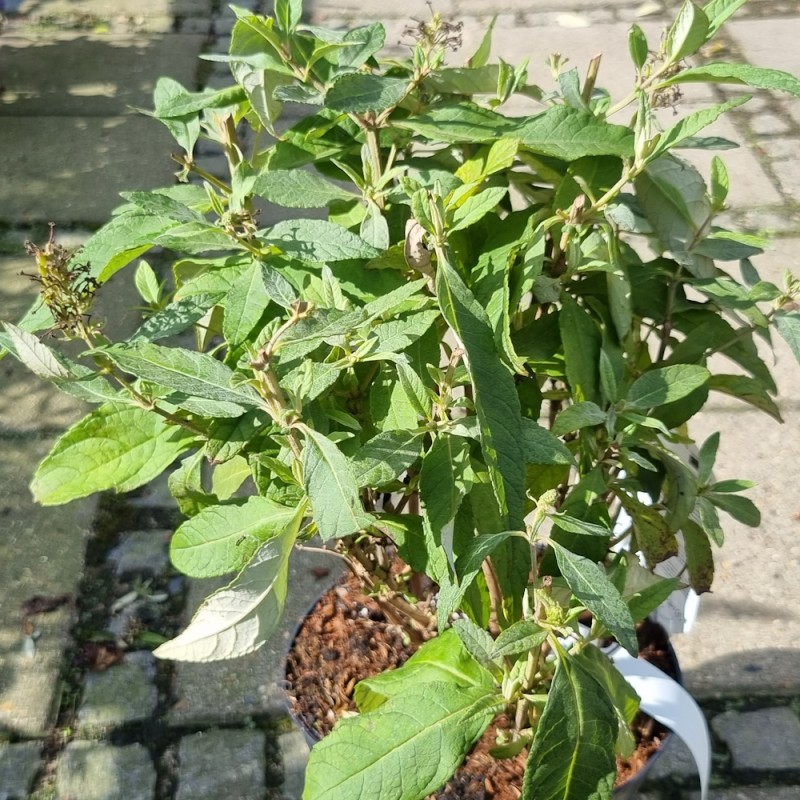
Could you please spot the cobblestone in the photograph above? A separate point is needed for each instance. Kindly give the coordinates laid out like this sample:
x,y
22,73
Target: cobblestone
x,y
98,771
294,755
761,741
239,765
119,695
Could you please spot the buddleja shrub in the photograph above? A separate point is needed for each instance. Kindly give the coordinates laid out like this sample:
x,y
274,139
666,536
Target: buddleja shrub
x,y
484,342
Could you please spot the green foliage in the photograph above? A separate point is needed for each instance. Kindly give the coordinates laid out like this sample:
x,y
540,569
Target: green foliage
x,y
483,343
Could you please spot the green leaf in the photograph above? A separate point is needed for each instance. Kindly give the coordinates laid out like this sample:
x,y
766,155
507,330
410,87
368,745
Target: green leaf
x,y
521,637
699,558
228,437
444,658
374,228
298,188
185,371
180,105
176,317
688,33
147,283
390,406
459,122
317,240
239,618
364,42
223,538
481,55
706,458
441,481
666,384
245,304
574,525
162,205
692,124
740,508
331,488
637,46
185,130
654,537
788,326
717,11
197,238
709,519
569,134
122,239
542,447
477,207
591,586
572,754
288,14
747,74
114,447
386,456
36,355
748,390
495,395
477,641
581,340
577,416
432,726
720,183
358,92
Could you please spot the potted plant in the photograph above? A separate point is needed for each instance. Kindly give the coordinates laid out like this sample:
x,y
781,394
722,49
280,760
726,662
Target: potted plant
x,y
487,349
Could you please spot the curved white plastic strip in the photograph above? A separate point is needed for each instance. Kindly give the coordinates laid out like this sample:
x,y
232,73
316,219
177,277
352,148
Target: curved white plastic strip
x,y
669,703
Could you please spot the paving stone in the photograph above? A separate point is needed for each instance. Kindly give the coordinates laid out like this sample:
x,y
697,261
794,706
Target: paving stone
x,y
19,764
763,741
769,125
222,763
236,689
675,762
70,170
119,695
294,755
97,75
98,771
780,149
100,8
141,553
788,175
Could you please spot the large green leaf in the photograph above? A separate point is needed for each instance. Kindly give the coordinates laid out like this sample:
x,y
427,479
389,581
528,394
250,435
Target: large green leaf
x,y
666,385
494,392
541,446
239,618
746,389
579,415
223,538
114,447
185,130
298,188
717,11
441,480
521,637
459,122
592,587
477,207
384,457
317,240
443,658
688,32
581,339
331,487
747,74
185,371
358,92
569,134
176,317
572,754
405,749
245,303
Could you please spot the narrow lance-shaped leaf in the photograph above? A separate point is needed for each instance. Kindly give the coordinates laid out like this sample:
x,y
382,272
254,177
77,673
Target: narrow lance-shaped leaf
x,y
788,325
572,754
432,726
441,482
223,538
298,189
495,395
666,384
331,487
114,447
241,617
741,74
591,586
384,457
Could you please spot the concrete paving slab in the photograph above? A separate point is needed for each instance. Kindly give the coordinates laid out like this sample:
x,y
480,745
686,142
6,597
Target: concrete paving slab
x,y
78,74
19,764
41,552
239,688
72,170
100,9
294,756
751,793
